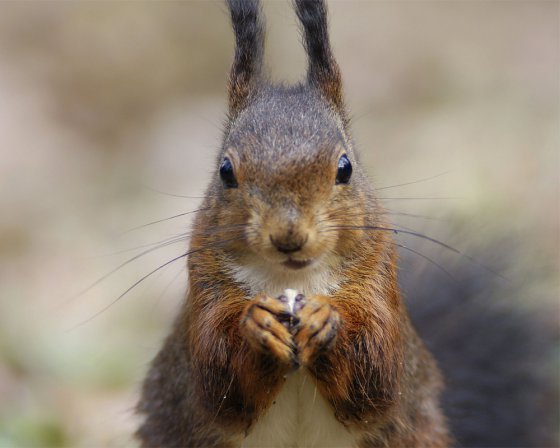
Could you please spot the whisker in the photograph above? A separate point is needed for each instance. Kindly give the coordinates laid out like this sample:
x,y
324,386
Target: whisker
x,y
149,274
184,235
400,226
425,237
424,198
342,218
158,246
425,179
339,214
397,231
411,215
425,257
120,266
128,290
154,190
332,215
173,280
492,271
164,219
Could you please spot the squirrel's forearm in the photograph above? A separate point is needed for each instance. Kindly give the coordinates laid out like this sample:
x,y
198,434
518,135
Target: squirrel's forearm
x,y
236,383
360,374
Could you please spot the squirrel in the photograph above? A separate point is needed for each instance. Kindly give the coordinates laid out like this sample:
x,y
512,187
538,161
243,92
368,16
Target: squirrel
x,y
293,331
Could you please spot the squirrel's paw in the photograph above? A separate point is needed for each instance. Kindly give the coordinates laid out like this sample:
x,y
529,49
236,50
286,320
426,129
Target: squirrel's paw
x,y
317,329
263,324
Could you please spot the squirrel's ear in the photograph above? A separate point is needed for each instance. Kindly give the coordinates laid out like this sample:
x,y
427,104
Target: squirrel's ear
x,y
248,26
323,71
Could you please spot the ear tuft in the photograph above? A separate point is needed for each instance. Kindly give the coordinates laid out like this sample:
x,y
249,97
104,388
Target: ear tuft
x,y
248,25
323,71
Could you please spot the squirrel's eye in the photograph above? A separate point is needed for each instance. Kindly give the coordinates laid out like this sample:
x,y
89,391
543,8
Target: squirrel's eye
x,y
344,170
227,175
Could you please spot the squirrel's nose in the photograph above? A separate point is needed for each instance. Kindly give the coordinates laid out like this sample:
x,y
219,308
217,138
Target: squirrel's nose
x,y
288,246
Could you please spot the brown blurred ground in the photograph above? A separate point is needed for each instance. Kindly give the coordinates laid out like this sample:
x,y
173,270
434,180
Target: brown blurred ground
x,y
102,104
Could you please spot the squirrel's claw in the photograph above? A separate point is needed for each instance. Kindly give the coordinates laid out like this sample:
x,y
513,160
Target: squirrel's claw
x,y
318,328
263,325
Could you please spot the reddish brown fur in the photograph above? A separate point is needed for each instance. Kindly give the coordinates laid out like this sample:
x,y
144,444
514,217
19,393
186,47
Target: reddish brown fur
x,y
230,351
376,373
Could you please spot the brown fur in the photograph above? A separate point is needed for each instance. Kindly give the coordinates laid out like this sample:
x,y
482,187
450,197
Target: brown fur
x,y
230,351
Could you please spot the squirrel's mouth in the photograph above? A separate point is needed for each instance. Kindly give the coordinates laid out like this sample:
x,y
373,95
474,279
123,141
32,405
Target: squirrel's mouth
x,y
296,264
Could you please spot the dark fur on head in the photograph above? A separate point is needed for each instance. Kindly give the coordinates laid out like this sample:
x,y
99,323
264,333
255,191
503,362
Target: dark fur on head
x,y
322,72
246,77
284,148
285,139
248,25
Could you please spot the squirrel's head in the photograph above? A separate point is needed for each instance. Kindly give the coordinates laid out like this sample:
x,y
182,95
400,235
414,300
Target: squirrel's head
x,y
287,172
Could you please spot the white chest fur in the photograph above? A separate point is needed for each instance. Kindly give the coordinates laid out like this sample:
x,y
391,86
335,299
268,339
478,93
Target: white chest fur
x,y
260,277
299,417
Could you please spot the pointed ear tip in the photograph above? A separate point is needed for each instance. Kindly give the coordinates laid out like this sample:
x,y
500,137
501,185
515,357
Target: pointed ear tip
x,y
248,25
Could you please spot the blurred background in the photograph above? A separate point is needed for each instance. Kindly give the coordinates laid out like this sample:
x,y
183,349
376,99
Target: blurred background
x,y
111,113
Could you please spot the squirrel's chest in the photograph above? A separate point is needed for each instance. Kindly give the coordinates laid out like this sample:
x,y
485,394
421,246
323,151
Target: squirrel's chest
x,y
259,278
299,417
